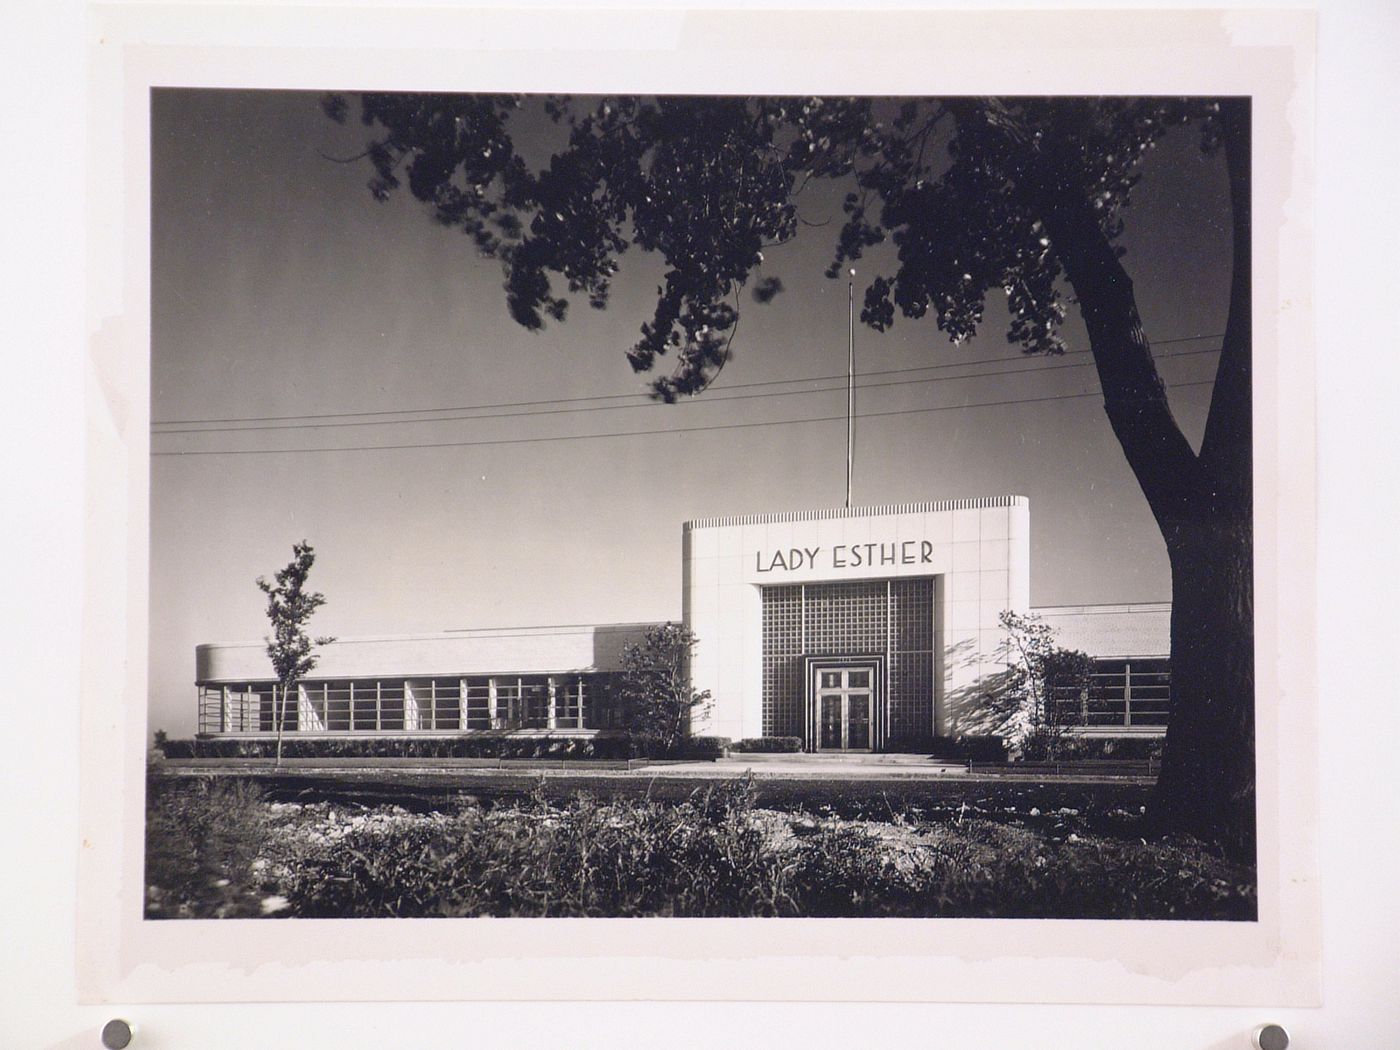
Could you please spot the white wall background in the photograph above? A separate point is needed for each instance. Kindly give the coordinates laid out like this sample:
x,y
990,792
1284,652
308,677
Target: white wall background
x,y
43,340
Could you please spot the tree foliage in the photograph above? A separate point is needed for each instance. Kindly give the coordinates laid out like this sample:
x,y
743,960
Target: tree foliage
x,y
1035,668
655,688
961,186
289,607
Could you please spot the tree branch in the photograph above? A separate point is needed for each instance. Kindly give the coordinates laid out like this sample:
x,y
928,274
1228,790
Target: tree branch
x,y
1135,398
1227,448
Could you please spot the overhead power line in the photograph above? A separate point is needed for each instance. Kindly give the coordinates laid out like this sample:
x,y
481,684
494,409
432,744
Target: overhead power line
x,y
709,399
649,433
722,395
649,401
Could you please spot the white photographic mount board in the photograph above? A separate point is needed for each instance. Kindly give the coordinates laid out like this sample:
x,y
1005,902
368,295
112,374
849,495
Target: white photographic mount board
x,y
85,956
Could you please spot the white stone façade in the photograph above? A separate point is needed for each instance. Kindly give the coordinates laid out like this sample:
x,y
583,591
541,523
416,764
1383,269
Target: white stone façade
x,y
976,551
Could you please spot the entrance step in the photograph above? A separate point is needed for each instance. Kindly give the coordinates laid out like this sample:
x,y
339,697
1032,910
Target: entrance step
x,y
856,757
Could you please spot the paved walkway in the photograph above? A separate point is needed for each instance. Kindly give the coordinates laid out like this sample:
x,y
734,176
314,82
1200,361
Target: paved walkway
x,y
882,767
836,767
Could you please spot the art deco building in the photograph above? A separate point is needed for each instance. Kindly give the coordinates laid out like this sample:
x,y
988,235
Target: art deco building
x,y
853,629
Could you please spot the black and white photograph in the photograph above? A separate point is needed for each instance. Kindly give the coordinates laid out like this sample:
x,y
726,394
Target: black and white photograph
x,y
699,506
645,526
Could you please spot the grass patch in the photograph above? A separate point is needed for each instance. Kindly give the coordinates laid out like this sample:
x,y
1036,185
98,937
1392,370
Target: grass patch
x,y
219,848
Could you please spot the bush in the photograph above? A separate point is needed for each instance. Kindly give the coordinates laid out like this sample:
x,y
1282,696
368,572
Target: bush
x,y
177,748
215,848
202,844
641,745
1043,744
771,744
969,748
701,857
647,745
705,746
1077,748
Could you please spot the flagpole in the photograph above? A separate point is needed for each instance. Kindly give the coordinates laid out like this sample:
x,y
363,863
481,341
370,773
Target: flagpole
x,y
850,380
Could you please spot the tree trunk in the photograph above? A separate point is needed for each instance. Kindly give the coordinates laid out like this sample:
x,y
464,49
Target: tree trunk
x,y
1202,503
279,710
1206,786
1208,768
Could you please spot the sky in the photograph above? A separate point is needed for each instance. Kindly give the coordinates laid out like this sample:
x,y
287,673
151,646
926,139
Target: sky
x,y
285,298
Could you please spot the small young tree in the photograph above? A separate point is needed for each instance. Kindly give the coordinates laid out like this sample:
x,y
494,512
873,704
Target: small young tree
x,y
656,691
1036,668
289,607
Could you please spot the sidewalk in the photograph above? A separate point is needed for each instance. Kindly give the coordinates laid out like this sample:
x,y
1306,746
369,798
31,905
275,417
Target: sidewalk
x,y
835,767
847,767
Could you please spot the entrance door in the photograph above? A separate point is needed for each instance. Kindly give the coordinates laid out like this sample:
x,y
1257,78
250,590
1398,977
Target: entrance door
x,y
845,701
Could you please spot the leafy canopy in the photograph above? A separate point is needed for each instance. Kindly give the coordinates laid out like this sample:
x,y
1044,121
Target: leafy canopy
x,y
961,187
655,687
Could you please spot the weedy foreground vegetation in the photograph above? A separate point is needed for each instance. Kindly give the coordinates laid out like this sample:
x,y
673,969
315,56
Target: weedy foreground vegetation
x,y
219,849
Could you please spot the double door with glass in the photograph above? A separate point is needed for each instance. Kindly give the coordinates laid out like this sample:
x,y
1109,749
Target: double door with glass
x,y
845,701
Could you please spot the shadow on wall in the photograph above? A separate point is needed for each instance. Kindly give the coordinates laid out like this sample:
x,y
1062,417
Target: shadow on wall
x,y
981,706
609,640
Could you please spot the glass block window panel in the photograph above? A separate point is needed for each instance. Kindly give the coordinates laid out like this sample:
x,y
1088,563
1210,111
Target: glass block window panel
x,y
911,694
841,618
911,615
782,661
893,618
911,657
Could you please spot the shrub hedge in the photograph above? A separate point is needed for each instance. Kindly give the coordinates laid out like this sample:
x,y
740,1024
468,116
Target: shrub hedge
x,y
778,744
1130,748
484,745
965,748
622,746
641,745
705,747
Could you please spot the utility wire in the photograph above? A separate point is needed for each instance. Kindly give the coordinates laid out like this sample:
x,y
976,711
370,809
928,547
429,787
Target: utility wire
x,y
604,397
648,433
722,395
